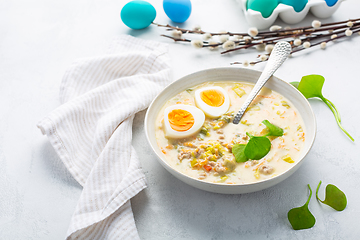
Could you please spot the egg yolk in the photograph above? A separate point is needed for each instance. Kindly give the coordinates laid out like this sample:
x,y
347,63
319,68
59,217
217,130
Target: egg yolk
x,y
212,97
180,120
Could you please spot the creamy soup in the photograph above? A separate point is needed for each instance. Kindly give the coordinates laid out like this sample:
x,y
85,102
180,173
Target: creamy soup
x,y
194,131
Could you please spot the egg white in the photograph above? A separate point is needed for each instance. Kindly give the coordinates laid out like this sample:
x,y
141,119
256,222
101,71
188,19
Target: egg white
x,y
199,119
210,111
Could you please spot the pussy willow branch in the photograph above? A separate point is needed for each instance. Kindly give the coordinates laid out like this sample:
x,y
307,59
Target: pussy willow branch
x,y
314,35
300,48
307,29
305,38
341,35
311,29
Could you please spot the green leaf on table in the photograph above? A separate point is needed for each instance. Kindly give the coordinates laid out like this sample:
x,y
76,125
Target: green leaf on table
x,y
273,130
301,217
311,86
239,152
334,197
257,147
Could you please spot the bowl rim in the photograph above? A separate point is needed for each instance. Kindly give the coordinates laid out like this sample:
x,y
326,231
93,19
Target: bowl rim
x,y
276,178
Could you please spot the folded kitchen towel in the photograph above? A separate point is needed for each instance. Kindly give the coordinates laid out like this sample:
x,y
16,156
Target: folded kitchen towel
x,y
92,130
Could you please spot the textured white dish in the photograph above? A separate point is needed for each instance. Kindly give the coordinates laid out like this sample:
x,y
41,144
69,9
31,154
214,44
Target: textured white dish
x,y
287,13
230,74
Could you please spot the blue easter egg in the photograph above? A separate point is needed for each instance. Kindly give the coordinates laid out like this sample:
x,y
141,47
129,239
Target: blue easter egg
x,y
138,14
177,10
331,3
298,5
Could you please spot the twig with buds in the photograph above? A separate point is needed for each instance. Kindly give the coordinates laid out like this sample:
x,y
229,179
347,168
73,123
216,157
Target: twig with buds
x,y
300,38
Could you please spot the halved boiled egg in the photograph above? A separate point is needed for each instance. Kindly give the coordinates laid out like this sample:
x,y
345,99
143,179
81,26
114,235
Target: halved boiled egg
x,y
214,101
182,120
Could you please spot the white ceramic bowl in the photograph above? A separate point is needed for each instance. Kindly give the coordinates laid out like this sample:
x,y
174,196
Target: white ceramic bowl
x,y
230,74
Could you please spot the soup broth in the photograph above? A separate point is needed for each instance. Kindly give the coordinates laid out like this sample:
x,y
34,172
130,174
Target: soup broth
x,y
207,153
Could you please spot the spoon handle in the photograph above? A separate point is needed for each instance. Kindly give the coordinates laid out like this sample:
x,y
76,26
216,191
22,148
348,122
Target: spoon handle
x,y
278,55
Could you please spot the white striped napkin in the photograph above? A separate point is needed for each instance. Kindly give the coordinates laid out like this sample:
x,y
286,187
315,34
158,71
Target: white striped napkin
x,y
92,130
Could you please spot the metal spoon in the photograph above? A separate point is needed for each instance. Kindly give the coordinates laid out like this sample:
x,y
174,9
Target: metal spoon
x,y
278,55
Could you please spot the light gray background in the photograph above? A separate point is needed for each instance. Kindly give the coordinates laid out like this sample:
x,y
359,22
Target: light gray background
x,y
40,39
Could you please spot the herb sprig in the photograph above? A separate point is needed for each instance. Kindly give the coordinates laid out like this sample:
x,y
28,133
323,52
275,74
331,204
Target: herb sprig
x,y
258,146
311,86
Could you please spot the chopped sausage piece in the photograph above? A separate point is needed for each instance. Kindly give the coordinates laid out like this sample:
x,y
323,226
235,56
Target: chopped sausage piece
x,y
199,151
202,175
254,162
219,168
220,131
221,137
266,169
229,146
244,136
183,155
212,164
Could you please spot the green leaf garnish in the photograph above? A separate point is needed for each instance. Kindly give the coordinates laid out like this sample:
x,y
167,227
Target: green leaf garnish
x,y
334,197
273,130
239,152
257,147
311,86
301,217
